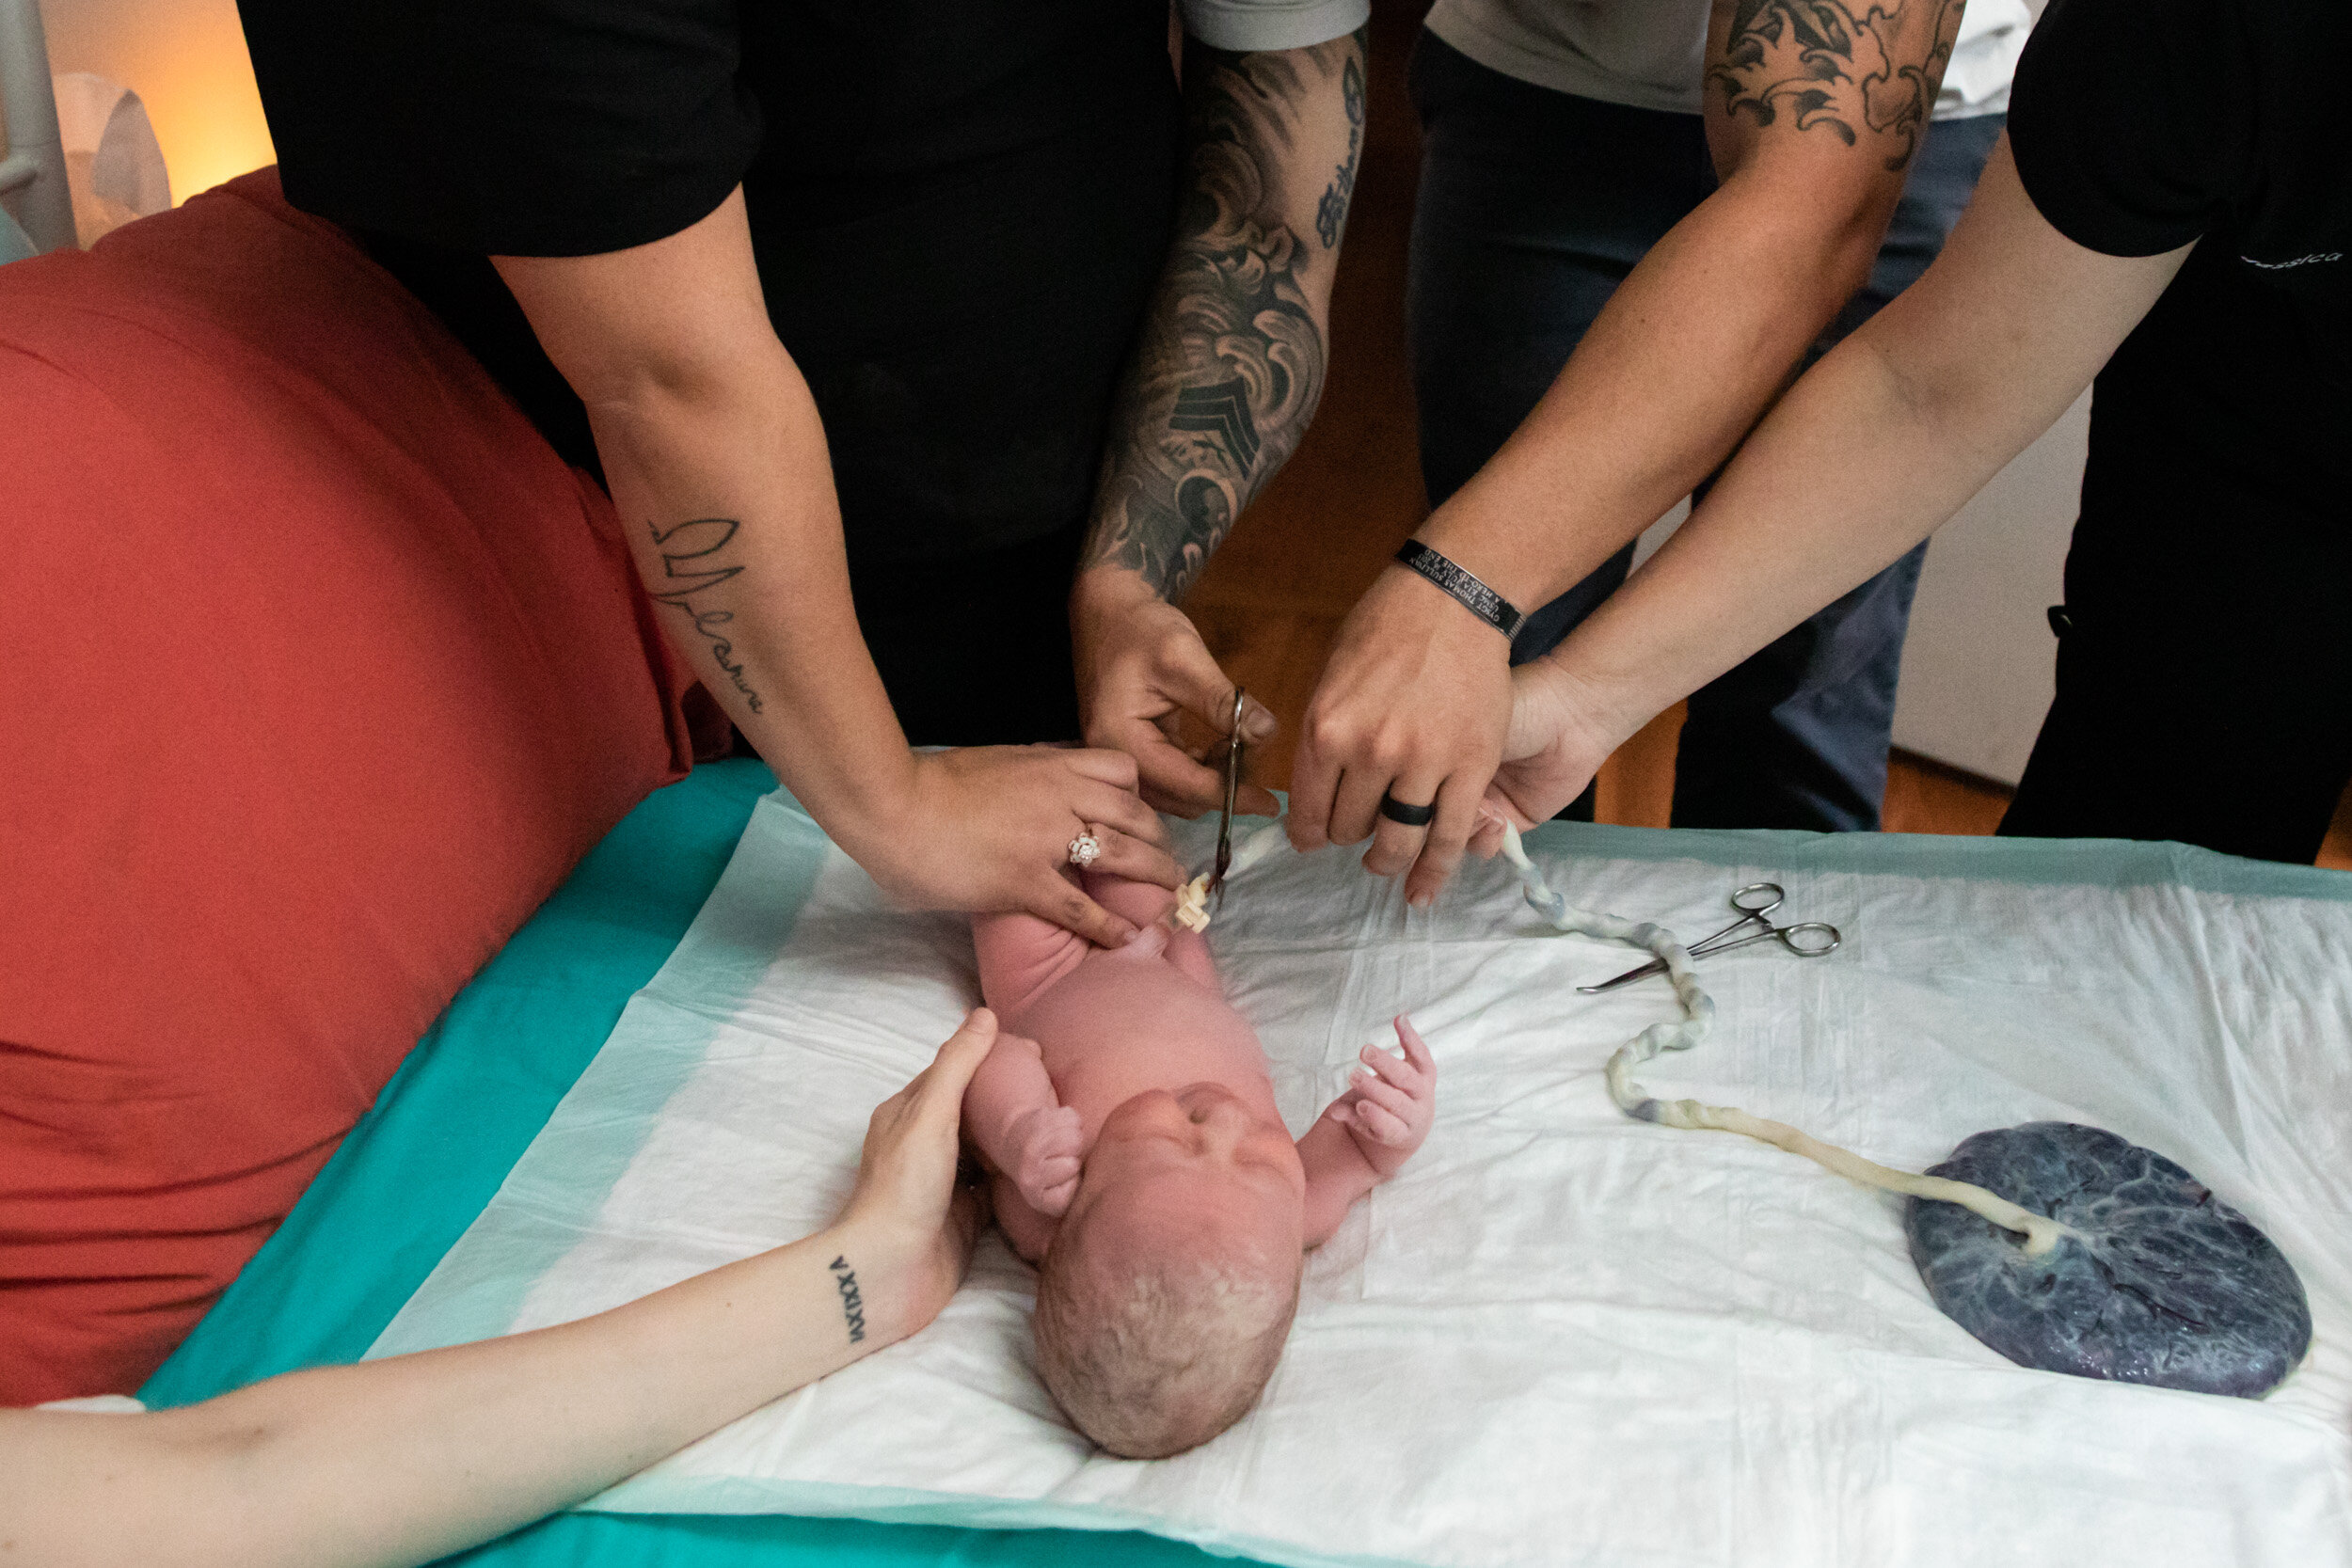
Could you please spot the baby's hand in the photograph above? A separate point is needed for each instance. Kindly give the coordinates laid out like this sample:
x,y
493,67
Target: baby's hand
x,y
1390,1101
1046,1170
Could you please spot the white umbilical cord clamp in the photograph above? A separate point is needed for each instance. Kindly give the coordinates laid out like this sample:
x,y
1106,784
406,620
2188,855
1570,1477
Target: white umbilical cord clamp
x,y
2041,1232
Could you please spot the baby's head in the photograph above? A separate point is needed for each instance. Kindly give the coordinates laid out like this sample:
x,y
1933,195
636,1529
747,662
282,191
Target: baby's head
x,y
1168,1288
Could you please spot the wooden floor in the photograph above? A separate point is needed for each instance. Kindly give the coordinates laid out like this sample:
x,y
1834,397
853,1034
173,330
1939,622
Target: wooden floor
x,y
1272,600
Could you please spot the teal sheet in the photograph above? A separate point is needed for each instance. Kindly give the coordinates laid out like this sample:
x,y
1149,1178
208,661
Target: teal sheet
x,y
420,1166
424,1162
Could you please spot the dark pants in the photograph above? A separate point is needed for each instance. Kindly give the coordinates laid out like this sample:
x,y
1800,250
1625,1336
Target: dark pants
x,y
2204,693
1534,205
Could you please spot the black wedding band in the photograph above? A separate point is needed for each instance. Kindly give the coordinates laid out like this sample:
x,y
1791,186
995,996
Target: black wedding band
x,y
1410,817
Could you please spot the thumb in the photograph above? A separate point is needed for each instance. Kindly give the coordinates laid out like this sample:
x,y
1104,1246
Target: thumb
x,y
960,1058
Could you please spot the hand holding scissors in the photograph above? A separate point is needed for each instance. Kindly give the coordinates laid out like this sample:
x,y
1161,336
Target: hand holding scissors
x,y
1809,938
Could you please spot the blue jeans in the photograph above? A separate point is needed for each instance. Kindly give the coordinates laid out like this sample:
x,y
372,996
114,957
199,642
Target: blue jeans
x,y
1534,205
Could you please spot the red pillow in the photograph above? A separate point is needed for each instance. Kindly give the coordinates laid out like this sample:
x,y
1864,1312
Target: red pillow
x,y
318,671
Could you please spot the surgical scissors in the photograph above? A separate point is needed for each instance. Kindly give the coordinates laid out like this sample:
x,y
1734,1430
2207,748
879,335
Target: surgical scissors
x,y
1809,938
1216,890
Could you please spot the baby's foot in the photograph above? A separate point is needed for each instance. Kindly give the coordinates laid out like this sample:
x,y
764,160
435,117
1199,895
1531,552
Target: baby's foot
x,y
1046,1170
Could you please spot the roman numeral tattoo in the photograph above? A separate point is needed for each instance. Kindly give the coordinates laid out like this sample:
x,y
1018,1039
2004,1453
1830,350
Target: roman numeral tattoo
x,y
853,1305
691,568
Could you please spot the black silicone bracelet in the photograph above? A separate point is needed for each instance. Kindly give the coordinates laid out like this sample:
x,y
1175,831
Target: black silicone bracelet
x,y
1472,594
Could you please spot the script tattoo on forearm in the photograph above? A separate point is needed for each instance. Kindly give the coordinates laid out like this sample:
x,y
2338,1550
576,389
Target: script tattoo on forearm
x,y
690,564
1231,363
1826,67
853,1305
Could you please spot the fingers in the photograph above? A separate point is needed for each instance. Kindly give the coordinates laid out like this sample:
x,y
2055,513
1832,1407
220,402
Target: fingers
x,y
941,1083
1115,808
1395,845
1442,845
1314,782
1170,781
1116,769
1356,804
1377,1121
1125,857
1416,1049
1060,900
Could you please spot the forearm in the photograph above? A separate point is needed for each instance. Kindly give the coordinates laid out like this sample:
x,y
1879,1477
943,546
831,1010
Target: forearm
x,y
1794,522
1012,1086
1338,1177
725,492
400,1461
1692,346
1231,363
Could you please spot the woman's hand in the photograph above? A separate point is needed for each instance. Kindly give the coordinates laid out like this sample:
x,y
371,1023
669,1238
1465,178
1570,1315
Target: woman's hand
x,y
909,1228
989,827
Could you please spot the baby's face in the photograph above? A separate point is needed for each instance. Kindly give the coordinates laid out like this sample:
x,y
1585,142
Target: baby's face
x,y
1175,1170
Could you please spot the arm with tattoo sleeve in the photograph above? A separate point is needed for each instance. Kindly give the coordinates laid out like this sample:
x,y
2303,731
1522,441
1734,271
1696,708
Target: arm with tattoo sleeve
x,y
1814,109
1223,382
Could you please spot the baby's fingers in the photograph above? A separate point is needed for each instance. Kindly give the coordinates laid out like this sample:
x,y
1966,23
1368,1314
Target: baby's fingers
x,y
1378,1122
1416,1049
1388,1097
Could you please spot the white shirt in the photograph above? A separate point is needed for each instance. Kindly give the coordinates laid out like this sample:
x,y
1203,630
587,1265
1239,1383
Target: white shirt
x,y
1651,53
1242,26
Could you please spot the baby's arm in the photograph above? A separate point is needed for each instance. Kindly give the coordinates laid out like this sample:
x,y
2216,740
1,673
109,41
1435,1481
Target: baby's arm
x,y
1363,1137
1024,1134
1020,957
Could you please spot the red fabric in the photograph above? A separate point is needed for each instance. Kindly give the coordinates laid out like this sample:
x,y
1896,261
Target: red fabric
x,y
318,672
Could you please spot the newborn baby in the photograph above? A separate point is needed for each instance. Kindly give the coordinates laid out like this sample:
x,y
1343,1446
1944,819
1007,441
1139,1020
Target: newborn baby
x,y
1128,1123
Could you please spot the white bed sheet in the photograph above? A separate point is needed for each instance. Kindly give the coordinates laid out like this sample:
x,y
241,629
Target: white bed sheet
x,y
1560,1336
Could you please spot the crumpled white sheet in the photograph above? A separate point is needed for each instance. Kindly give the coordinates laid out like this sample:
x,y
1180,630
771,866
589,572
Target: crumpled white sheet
x,y
1560,1336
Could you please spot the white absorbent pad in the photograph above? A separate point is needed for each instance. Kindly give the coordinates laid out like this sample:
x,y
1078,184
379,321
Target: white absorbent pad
x,y
1559,1336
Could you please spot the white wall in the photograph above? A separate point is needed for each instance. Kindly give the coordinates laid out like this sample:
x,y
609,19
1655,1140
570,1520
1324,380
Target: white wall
x,y
186,60
1978,669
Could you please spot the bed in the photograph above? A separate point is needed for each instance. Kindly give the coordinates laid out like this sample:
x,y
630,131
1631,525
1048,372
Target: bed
x,y
467,1105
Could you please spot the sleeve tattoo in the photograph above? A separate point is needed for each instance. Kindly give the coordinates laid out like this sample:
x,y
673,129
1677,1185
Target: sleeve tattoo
x,y
1825,67
1231,362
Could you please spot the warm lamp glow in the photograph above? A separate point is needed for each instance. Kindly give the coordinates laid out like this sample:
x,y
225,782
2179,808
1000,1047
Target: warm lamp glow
x,y
186,60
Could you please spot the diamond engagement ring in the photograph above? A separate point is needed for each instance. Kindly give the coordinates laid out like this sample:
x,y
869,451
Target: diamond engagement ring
x,y
1084,850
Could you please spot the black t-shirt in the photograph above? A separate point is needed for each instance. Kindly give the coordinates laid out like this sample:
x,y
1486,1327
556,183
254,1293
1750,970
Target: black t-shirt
x,y
958,207
2140,125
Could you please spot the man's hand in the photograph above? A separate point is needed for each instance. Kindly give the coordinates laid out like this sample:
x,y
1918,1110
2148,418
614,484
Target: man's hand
x,y
989,827
1146,686
1414,704
1390,1102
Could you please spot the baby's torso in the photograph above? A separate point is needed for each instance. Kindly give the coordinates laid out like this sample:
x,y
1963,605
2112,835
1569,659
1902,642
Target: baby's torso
x,y
1124,1021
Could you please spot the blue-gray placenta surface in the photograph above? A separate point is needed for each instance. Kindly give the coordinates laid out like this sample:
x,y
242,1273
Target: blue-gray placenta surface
x,y
2163,1283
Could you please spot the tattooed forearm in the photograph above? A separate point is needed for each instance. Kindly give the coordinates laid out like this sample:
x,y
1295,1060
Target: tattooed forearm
x,y
853,1305
689,562
1230,365
1874,73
